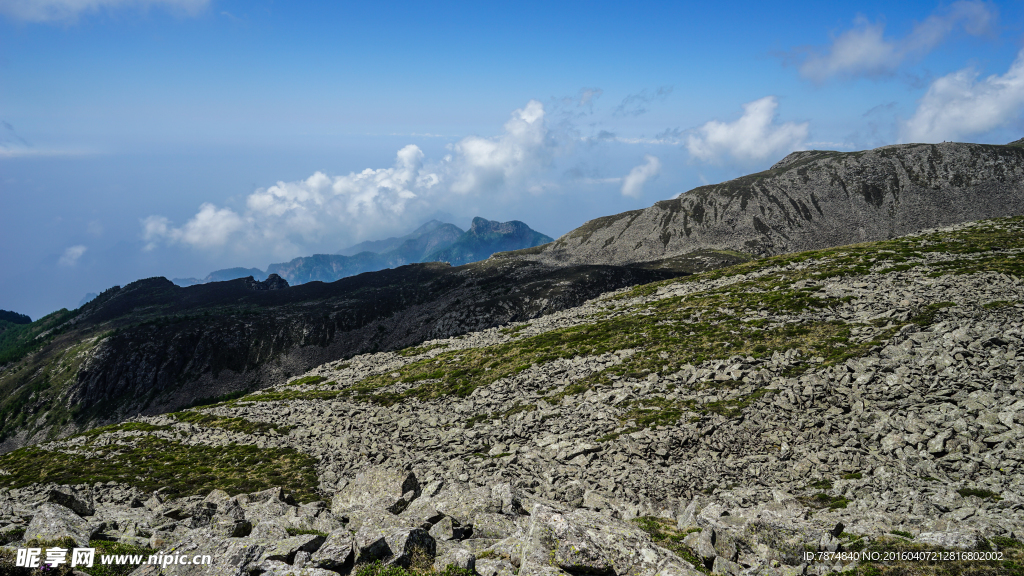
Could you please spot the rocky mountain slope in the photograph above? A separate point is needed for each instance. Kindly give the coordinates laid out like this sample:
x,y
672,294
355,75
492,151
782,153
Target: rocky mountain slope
x,y
433,235
810,200
391,253
217,276
484,238
152,346
783,416
440,243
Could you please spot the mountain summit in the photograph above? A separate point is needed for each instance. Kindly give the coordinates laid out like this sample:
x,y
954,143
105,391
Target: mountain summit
x,y
431,236
485,237
433,242
812,199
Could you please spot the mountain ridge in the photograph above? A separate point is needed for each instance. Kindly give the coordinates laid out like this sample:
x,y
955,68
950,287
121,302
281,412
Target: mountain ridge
x,y
152,346
844,410
810,200
434,241
484,238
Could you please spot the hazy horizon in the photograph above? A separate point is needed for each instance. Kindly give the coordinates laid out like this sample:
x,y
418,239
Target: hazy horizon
x,y
173,138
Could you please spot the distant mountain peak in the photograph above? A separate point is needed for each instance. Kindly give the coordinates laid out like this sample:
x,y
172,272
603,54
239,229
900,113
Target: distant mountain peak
x,y
432,232
484,226
485,237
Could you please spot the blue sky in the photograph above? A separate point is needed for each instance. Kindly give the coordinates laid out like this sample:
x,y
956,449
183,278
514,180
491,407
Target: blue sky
x,y
175,137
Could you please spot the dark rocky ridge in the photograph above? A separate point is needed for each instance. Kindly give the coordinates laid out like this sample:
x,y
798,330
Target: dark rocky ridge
x,y
810,200
432,242
755,420
152,346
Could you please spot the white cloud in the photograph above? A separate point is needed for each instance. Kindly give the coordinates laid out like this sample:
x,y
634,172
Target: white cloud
x,y
483,164
209,228
958,105
289,215
71,255
865,51
65,10
633,183
753,137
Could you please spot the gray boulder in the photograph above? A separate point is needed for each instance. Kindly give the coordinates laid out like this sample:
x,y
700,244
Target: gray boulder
x,y
962,540
582,541
284,550
53,521
82,504
375,487
337,553
388,539
454,554
230,557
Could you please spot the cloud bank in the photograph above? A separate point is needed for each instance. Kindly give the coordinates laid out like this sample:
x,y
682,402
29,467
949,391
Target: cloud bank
x,y
633,183
283,217
71,255
959,105
69,10
753,137
865,51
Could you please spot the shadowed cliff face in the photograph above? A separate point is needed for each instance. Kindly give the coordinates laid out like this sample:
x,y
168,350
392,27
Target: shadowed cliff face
x,y
811,200
152,347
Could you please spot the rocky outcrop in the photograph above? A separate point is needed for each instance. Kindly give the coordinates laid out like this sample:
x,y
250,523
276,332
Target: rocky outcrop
x,y
273,282
484,238
548,539
809,200
763,419
152,347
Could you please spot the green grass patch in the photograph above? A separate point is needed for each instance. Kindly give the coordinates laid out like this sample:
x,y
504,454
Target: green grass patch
x,y
823,500
475,419
980,493
927,314
104,547
664,533
653,412
514,329
1004,542
152,463
517,408
12,535
420,564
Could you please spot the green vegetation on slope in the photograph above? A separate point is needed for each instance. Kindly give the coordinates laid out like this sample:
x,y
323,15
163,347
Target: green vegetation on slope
x,y
149,463
19,340
746,318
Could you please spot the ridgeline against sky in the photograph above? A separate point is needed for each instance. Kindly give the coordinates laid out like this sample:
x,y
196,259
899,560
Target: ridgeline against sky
x,y
173,137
